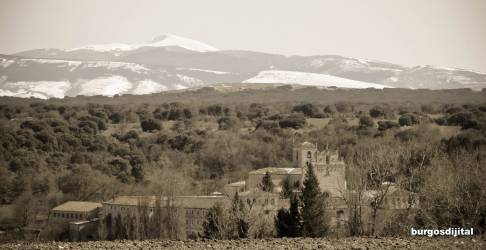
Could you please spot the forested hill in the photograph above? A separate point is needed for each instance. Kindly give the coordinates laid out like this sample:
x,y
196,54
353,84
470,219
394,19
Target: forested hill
x,y
195,141
247,93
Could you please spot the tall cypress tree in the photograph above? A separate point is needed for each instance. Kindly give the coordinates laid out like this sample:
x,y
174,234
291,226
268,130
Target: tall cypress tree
x,y
295,223
282,221
288,222
315,223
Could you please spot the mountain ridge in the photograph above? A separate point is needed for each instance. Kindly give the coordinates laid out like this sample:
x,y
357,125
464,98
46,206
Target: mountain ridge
x,y
173,62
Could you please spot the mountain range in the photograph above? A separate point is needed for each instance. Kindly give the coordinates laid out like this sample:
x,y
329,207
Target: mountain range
x,y
171,62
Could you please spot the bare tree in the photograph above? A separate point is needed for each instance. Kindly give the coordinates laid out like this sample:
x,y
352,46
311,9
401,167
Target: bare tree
x,y
414,160
379,163
354,199
261,224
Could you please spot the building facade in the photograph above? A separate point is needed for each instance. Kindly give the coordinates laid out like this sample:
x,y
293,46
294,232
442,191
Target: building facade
x,y
76,220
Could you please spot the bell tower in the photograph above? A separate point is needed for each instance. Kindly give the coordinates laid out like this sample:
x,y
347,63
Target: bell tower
x,y
329,169
303,153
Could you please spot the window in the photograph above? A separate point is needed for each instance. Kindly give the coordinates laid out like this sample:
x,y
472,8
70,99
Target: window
x,y
272,201
340,217
309,154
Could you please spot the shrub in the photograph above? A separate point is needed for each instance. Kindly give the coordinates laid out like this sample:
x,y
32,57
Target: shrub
x,y
308,110
377,111
408,120
227,122
343,107
463,119
150,125
385,125
293,121
366,121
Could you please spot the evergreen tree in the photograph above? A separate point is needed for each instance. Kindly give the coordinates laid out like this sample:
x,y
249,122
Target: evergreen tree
x,y
313,207
215,225
286,188
295,223
289,222
239,218
282,223
267,183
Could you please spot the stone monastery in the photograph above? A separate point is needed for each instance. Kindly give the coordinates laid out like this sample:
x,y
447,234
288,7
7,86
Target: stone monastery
x,y
84,220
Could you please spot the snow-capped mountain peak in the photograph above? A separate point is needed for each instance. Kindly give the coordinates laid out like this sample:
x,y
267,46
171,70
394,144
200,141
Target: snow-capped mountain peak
x,y
173,40
158,41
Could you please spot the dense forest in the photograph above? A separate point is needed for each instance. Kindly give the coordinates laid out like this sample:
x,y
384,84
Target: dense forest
x,y
93,148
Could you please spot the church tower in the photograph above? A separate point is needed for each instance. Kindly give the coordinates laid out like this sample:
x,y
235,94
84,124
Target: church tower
x,y
303,153
329,169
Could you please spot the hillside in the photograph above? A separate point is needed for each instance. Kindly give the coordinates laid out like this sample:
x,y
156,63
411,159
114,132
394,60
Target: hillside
x,y
245,93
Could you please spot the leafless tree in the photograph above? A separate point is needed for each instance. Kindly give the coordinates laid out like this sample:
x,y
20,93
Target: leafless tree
x,y
380,163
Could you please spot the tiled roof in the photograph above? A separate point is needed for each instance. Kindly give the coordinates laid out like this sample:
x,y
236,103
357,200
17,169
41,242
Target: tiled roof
x,y
200,201
277,171
77,206
179,201
133,200
258,192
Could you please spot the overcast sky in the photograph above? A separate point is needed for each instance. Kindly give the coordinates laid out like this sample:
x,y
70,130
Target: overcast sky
x,y
410,32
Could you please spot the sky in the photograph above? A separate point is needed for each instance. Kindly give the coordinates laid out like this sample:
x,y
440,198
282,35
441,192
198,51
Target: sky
x,y
448,33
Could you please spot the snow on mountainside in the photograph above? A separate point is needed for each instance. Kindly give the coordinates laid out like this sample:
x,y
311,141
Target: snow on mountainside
x,y
48,78
158,41
170,62
433,77
313,79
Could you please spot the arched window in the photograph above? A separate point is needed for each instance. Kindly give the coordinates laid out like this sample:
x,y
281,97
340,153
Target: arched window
x,y
309,154
340,214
